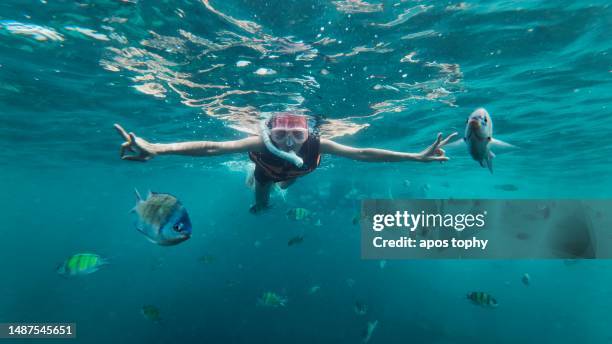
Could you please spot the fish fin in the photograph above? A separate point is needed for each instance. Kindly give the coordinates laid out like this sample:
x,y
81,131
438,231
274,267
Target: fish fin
x,y
489,161
138,197
141,230
456,143
150,193
481,163
501,143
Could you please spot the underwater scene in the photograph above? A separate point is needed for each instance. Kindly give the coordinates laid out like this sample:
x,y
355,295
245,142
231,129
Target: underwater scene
x,y
192,171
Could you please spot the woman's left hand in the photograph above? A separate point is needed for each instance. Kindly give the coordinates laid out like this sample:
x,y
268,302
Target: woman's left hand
x,y
435,151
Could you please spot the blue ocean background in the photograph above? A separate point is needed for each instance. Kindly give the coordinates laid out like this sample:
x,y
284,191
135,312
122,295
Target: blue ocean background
x,y
385,74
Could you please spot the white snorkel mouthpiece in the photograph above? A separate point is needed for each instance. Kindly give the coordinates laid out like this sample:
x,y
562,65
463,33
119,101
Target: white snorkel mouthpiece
x,y
289,156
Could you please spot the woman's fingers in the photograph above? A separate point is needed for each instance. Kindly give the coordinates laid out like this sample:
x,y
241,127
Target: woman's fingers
x,y
133,139
122,132
447,140
124,146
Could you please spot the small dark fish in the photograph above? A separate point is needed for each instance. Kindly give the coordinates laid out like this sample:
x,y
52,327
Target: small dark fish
x,y
162,219
356,220
295,240
482,299
506,187
523,236
151,313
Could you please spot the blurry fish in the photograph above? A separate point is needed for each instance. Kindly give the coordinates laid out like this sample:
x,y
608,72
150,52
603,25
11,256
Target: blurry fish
x,y
81,264
526,279
479,138
151,313
295,240
506,187
522,236
270,299
207,259
313,289
482,299
382,264
350,282
162,219
367,333
299,214
231,283
243,63
360,308
356,219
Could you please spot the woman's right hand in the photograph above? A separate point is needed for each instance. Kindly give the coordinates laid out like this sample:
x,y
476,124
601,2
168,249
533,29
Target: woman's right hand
x,y
142,150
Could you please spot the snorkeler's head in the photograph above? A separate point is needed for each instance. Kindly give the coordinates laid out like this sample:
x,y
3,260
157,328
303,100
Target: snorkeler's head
x,y
289,131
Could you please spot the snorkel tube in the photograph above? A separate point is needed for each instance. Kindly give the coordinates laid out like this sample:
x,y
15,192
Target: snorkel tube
x,y
289,156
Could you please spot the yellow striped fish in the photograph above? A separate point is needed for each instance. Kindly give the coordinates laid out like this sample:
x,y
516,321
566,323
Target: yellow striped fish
x,y
271,299
482,299
81,264
299,214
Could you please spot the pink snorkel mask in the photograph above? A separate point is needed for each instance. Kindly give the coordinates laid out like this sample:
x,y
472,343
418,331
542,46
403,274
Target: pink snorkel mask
x,y
291,129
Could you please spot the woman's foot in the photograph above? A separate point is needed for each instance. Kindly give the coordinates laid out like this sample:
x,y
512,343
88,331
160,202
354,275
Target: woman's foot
x,y
258,208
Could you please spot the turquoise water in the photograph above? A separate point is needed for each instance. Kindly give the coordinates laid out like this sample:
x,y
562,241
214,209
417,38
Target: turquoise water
x,y
388,75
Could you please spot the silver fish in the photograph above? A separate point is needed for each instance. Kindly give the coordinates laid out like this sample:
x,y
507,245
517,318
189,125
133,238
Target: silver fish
x,y
479,138
162,219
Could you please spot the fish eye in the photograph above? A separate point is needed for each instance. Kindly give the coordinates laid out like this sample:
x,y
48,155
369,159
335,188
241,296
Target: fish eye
x,y
178,227
486,120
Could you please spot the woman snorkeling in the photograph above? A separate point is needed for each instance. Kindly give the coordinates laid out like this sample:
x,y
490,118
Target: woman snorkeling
x,y
285,150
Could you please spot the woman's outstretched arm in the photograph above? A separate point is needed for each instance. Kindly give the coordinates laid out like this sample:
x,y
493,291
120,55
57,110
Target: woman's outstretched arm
x,y
142,150
431,153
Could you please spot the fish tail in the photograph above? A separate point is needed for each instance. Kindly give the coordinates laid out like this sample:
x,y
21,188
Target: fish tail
x,y
489,161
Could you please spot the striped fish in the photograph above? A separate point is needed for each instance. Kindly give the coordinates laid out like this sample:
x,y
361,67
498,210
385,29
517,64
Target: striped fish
x,y
482,299
299,214
151,313
271,299
162,219
81,264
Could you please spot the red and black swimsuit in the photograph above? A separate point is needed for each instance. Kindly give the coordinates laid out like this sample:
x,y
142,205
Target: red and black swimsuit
x,y
270,168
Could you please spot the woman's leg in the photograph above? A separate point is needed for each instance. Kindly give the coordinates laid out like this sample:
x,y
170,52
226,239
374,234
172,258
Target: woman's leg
x,y
286,183
262,196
